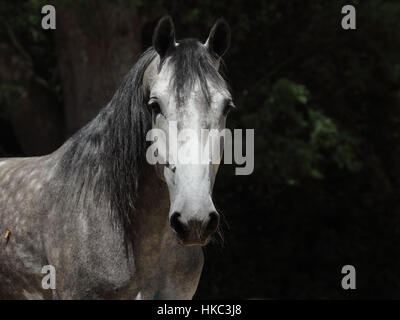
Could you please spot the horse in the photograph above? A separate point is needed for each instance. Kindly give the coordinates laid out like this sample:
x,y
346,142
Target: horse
x,y
112,225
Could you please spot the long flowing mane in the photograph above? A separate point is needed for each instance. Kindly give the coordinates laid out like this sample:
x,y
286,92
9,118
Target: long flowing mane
x,y
100,164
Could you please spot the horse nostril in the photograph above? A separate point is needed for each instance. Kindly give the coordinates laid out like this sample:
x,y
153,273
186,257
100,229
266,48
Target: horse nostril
x,y
177,225
170,167
212,224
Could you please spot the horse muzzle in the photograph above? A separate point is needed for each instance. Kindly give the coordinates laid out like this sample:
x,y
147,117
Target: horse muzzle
x,y
194,232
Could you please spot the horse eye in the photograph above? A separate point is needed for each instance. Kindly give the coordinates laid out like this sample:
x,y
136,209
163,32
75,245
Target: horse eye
x,y
228,107
154,107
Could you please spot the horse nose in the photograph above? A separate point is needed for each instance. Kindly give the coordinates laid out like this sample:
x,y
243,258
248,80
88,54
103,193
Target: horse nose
x,y
177,225
210,225
195,231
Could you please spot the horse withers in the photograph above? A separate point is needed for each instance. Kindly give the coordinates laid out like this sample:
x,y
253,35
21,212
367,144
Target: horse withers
x,y
112,225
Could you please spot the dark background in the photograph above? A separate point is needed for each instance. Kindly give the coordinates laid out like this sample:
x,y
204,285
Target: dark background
x,y
324,103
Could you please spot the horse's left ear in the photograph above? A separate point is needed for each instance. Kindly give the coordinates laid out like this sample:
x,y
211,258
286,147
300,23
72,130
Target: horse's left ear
x,y
219,38
164,35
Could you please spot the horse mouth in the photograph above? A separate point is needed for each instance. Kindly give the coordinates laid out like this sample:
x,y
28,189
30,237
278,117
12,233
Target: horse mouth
x,y
192,243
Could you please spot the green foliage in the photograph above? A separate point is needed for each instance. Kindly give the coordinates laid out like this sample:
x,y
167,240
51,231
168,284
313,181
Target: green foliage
x,y
297,141
24,18
9,92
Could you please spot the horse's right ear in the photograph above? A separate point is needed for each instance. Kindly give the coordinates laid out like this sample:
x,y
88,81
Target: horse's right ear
x,y
164,35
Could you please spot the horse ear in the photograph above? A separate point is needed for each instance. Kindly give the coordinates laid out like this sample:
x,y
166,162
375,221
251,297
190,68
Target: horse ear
x,y
219,38
164,35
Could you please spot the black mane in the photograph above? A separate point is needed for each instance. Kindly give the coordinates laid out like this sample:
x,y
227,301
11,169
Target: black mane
x,y
102,161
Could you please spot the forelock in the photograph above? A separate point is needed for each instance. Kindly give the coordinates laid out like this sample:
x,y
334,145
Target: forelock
x,y
192,63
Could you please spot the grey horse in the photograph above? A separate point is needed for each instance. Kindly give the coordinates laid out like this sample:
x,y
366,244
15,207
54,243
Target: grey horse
x,y
112,225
